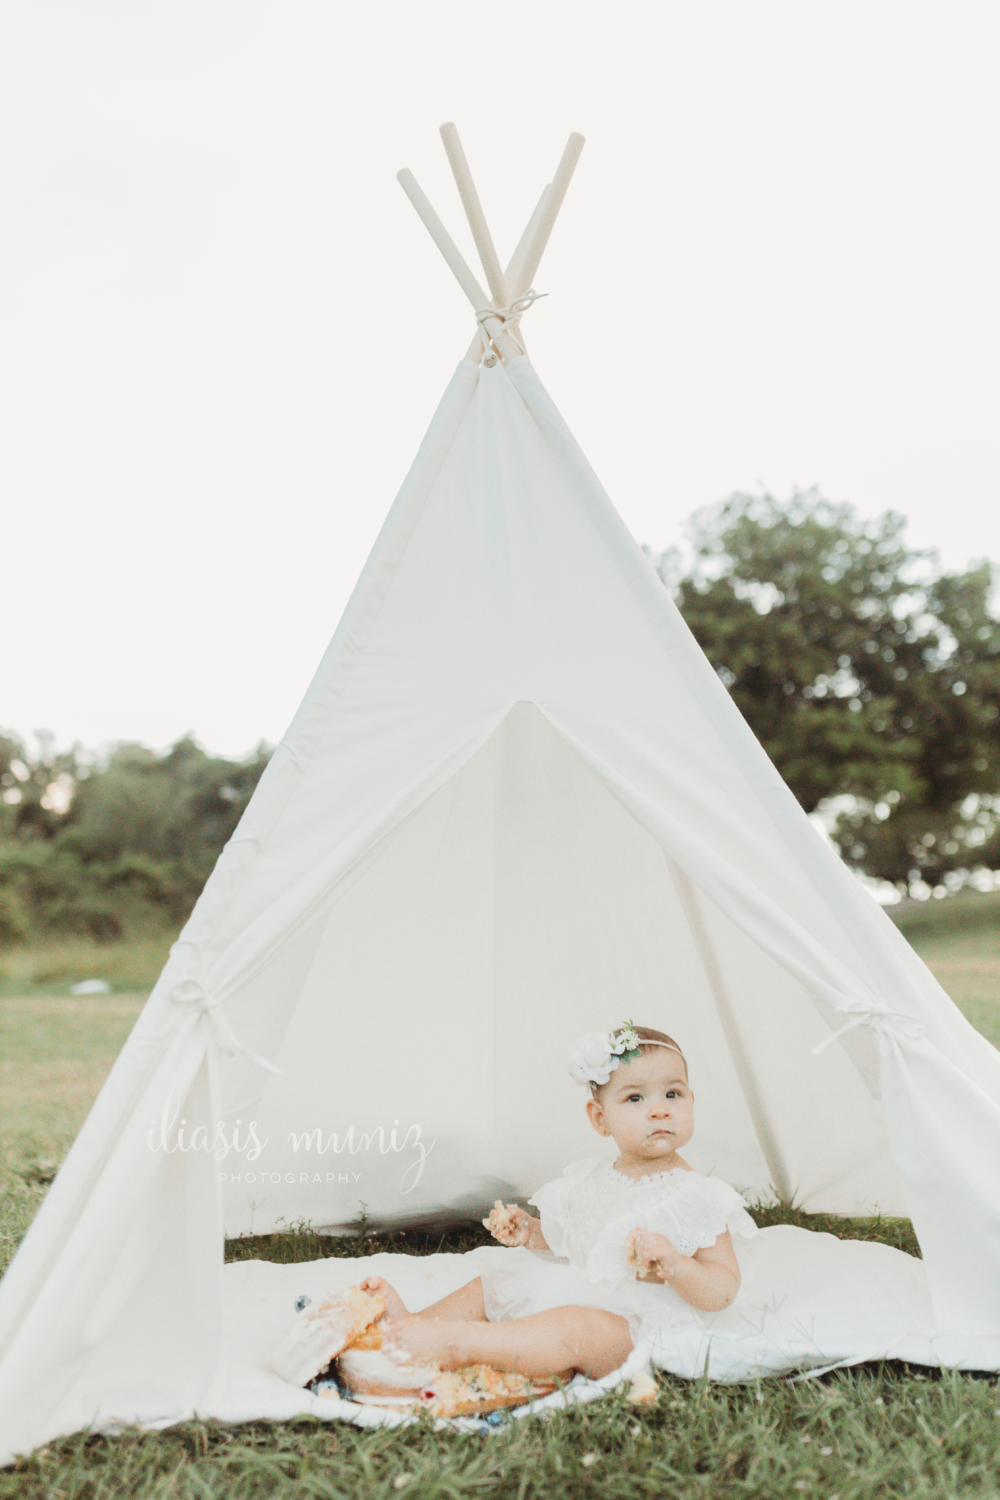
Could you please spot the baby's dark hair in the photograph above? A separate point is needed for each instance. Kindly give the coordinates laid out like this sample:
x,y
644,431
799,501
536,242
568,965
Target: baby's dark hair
x,y
648,1034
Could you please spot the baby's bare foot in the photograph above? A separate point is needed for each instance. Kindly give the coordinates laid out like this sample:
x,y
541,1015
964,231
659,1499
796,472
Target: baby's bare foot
x,y
406,1362
377,1286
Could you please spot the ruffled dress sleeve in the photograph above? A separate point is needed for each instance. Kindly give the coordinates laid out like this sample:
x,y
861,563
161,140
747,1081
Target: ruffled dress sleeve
x,y
691,1210
704,1209
551,1201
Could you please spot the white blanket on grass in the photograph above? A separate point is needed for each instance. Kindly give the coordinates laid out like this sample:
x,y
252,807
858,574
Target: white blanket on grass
x,y
822,1321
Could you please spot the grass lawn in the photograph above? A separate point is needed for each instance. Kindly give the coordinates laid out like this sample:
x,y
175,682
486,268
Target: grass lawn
x,y
959,940
884,1430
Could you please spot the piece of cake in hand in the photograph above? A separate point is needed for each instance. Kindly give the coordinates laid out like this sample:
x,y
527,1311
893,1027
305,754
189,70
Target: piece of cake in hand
x,y
503,1224
317,1336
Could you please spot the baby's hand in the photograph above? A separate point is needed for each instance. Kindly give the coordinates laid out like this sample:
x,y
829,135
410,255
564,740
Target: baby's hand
x,y
509,1224
653,1255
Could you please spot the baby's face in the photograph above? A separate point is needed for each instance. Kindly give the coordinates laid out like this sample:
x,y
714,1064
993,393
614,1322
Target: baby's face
x,y
648,1107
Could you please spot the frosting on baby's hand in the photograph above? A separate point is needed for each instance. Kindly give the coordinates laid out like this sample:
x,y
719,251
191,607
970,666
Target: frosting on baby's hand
x,y
645,1249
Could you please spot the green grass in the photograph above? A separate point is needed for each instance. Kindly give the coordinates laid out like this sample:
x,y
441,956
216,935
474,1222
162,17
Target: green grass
x,y
49,968
966,914
54,1055
866,1433
890,1430
959,940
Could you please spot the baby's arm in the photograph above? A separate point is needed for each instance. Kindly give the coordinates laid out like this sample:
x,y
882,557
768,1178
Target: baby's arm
x,y
709,1279
512,1226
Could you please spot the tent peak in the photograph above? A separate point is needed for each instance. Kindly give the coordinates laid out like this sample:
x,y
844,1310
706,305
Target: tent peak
x,y
510,290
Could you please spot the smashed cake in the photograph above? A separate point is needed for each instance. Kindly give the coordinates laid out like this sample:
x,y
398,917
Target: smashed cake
x,y
317,1336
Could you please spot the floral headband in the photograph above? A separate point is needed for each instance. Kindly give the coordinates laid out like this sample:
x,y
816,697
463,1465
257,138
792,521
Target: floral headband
x,y
595,1056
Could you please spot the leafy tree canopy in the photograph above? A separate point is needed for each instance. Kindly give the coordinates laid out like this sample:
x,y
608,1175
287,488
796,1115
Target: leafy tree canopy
x,y
85,845
865,672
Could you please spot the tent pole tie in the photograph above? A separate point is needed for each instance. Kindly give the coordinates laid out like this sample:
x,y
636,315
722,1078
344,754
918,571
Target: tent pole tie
x,y
890,1022
190,992
508,316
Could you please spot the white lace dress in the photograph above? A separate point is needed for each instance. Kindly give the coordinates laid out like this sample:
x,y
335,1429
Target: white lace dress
x,y
822,1297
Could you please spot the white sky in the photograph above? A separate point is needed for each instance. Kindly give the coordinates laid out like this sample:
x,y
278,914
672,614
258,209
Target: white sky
x,y
225,329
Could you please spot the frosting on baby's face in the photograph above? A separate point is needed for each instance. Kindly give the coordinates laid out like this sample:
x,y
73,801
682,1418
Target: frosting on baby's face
x,y
648,1108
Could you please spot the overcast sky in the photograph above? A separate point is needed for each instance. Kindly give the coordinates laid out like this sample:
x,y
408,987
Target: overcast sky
x,y
225,330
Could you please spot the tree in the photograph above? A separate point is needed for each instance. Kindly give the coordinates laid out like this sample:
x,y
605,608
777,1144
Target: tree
x,y
34,790
864,671
34,793
86,847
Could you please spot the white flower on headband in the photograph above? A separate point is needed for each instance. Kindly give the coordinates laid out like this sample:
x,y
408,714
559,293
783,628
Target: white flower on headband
x,y
596,1055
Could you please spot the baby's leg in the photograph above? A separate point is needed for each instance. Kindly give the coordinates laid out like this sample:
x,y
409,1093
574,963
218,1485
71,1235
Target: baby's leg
x,y
561,1342
465,1305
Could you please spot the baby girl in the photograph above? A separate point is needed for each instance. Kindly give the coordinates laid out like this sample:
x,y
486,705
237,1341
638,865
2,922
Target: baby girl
x,y
622,1245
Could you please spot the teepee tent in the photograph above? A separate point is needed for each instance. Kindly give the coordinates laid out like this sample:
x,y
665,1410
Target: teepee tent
x,y
515,805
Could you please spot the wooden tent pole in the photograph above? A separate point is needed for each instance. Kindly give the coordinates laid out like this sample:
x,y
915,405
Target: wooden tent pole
x,y
524,263
476,347
474,213
466,280
517,259
553,203
525,260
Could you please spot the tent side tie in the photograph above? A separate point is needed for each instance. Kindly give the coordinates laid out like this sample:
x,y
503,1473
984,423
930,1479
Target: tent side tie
x,y
507,316
890,1022
190,992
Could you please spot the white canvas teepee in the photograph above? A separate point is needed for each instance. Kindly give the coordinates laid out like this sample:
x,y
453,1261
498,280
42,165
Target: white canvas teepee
x,y
516,804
